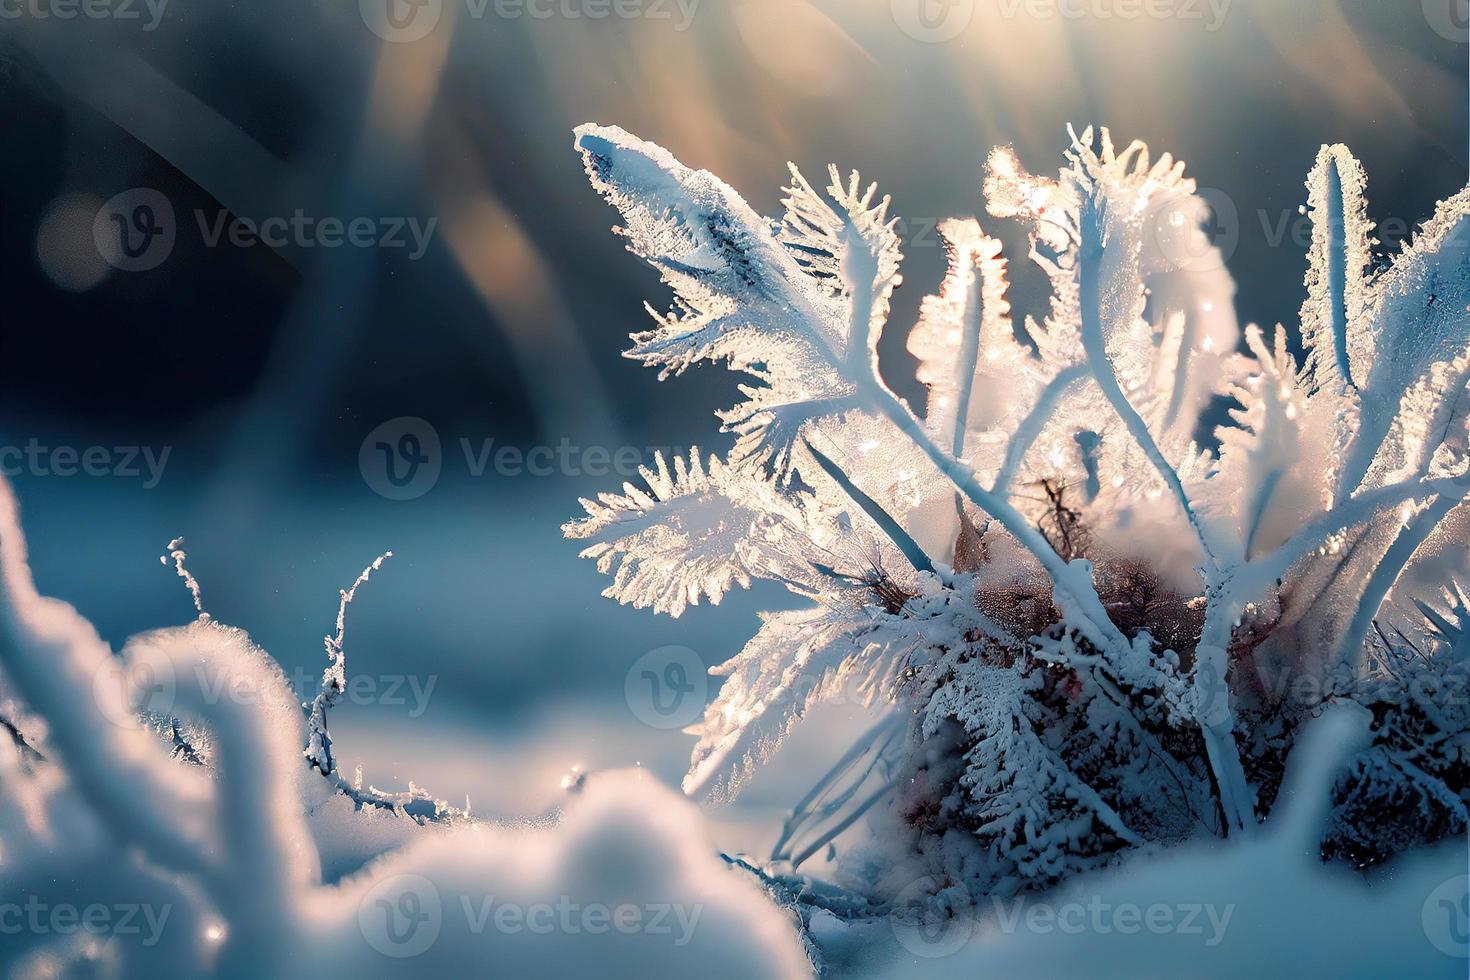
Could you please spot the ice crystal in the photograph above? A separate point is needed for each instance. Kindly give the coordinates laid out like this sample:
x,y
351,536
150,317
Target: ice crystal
x,y
1049,569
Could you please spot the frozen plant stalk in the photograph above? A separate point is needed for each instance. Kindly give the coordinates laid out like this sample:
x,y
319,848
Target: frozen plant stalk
x,y
1045,568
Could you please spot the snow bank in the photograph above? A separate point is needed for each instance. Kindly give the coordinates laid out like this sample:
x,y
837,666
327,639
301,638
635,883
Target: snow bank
x,y
1266,907
118,854
626,885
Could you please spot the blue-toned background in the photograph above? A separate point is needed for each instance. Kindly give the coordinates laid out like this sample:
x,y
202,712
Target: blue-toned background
x,y
262,370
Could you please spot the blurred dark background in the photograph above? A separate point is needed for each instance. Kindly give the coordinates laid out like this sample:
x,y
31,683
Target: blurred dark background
x,y
262,369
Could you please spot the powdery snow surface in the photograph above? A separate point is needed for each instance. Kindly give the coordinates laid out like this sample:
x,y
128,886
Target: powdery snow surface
x,y
1065,717
226,868
1263,908
625,882
1084,608
1259,911
1068,435
626,885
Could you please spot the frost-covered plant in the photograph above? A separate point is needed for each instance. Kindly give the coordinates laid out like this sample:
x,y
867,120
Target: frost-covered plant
x,y
1413,784
166,789
1081,607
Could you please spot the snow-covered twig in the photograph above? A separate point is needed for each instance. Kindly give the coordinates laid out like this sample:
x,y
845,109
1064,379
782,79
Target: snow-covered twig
x,y
334,678
175,551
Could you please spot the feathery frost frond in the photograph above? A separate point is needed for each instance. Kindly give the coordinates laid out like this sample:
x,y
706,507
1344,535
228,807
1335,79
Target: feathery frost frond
x,y
699,530
1079,603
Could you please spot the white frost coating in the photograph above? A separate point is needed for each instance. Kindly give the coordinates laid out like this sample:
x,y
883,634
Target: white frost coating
x,y
334,677
268,859
221,858
1334,327
795,660
180,558
1267,439
56,663
623,841
1296,524
798,313
968,354
1260,908
1413,316
699,530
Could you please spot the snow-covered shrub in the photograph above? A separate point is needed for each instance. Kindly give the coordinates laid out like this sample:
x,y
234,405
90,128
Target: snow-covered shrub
x,y
175,811
1413,784
1080,601
1261,907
